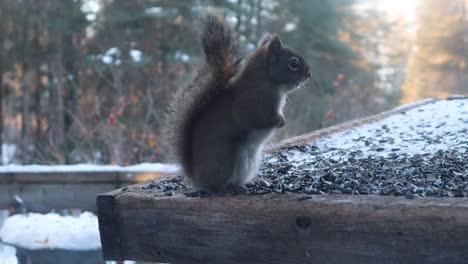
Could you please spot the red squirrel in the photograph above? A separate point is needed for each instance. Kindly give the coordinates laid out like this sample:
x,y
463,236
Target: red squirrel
x,y
218,123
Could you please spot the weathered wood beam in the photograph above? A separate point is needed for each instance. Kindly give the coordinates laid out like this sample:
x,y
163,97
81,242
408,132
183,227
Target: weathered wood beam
x,y
78,177
42,192
138,223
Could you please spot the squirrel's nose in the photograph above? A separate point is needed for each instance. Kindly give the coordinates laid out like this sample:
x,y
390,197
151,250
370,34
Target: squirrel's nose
x,y
307,75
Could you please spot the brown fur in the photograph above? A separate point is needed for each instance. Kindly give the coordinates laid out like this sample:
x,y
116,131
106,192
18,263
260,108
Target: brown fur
x,y
219,123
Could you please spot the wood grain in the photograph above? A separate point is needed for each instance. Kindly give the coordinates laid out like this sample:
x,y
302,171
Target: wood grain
x,y
109,227
282,229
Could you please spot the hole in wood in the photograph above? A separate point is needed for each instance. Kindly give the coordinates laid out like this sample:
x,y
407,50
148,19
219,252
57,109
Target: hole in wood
x,y
303,222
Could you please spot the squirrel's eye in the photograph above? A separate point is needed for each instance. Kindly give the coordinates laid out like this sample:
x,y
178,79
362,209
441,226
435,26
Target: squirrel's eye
x,y
294,64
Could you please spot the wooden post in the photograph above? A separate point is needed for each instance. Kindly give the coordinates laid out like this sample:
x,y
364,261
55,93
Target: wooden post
x,y
109,225
143,224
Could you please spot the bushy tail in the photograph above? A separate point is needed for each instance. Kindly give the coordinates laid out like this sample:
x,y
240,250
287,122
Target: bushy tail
x,y
219,45
221,63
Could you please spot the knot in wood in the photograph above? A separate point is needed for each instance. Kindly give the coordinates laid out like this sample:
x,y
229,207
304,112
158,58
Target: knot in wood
x,y
303,222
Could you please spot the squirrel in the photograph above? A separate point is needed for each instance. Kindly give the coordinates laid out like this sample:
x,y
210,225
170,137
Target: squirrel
x,y
218,123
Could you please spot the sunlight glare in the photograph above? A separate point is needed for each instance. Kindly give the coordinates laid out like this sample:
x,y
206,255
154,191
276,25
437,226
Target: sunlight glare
x,y
400,8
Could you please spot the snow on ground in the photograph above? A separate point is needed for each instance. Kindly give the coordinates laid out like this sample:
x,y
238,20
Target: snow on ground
x,y
50,231
144,167
136,55
8,255
8,151
4,215
436,126
112,56
153,11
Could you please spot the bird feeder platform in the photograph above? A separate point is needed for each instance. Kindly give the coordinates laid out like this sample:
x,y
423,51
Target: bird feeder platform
x,y
317,200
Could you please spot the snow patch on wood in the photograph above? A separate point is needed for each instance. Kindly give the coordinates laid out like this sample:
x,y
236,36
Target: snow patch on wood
x,y
144,167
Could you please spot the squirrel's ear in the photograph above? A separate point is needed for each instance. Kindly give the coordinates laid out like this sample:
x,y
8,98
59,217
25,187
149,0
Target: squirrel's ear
x,y
274,49
264,40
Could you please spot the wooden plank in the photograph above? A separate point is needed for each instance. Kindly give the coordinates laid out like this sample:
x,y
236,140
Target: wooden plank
x,y
109,227
78,177
9,178
283,228
40,197
43,192
25,255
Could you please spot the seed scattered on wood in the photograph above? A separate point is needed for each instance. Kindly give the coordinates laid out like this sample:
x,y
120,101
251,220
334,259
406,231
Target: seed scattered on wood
x,y
414,155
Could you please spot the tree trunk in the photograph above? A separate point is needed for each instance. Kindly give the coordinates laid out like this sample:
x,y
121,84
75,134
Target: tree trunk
x,y
56,122
56,109
239,16
25,116
56,128
1,100
258,16
1,86
37,109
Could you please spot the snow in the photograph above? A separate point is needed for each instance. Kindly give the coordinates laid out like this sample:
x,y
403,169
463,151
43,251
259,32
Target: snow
x,y
250,47
442,125
8,151
50,231
290,27
136,55
18,199
182,56
3,215
113,52
112,56
153,11
144,167
8,255
107,59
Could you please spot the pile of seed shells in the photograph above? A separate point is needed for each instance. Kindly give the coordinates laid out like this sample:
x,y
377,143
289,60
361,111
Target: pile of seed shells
x,y
442,174
421,152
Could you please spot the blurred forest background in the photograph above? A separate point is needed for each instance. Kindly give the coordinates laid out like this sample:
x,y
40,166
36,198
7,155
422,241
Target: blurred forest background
x,y
88,80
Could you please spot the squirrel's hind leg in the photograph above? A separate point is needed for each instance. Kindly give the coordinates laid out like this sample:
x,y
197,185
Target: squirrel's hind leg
x,y
212,167
246,164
